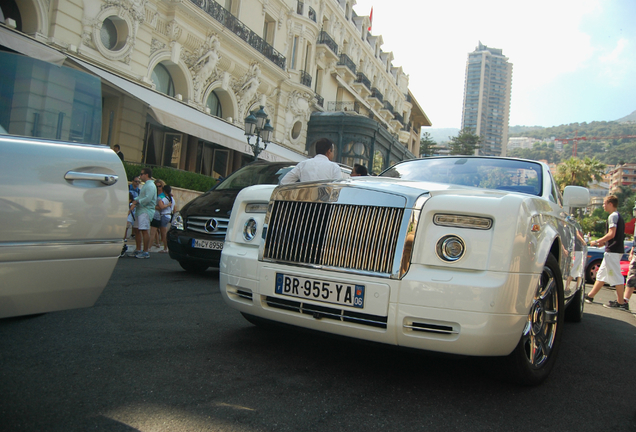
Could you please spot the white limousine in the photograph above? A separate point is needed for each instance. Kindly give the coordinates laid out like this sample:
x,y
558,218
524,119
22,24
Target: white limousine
x,y
465,255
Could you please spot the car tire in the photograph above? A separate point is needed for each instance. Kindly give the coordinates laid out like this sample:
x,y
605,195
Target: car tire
x,y
532,360
574,310
193,267
591,270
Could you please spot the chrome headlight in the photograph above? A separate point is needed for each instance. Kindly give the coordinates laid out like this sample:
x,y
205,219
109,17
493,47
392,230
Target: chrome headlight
x,y
177,221
249,229
450,248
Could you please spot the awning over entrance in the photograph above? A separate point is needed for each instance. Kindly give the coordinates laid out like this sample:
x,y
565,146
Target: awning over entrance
x,y
23,44
179,116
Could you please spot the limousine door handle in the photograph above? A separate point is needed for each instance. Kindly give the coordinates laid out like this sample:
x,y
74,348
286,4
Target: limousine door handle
x,y
107,179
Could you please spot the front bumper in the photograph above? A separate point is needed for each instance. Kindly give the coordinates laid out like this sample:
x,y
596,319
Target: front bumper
x,y
467,313
180,248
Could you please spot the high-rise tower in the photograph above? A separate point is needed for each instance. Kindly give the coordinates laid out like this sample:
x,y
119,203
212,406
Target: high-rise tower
x,y
487,98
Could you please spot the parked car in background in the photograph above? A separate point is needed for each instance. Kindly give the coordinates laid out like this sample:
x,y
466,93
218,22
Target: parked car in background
x,y
197,233
595,256
64,204
462,255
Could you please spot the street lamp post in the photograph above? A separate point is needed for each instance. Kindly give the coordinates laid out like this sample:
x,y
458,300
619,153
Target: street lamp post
x,y
257,125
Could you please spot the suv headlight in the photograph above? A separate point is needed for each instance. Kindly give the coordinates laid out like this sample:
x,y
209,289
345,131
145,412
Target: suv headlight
x,y
177,221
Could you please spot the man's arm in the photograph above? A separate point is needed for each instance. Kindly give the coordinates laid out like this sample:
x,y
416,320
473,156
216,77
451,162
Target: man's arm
x,y
292,176
607,237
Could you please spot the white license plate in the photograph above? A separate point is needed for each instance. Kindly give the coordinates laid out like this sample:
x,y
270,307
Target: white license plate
x,y
207,244
325,291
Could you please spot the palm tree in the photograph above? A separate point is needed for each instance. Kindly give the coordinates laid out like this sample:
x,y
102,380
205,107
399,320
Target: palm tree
x,y
579,172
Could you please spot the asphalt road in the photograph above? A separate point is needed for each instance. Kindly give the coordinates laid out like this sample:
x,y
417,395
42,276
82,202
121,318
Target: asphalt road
x,y
160,351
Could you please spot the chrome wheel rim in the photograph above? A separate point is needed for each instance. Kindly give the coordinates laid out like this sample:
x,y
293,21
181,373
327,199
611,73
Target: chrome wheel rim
x,y
540,329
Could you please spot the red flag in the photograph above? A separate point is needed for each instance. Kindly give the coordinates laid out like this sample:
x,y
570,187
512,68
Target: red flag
x,y
370,19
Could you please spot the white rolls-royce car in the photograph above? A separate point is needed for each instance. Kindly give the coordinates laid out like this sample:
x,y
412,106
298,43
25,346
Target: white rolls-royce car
x,y
464,255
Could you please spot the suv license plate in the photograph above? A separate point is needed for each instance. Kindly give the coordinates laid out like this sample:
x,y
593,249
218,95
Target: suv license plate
x,y
207,244
324,291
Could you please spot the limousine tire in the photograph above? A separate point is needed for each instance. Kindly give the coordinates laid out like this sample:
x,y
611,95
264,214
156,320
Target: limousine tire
x,y
532,360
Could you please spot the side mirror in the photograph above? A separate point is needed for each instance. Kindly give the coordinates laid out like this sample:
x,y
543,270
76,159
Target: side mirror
x,y
576,196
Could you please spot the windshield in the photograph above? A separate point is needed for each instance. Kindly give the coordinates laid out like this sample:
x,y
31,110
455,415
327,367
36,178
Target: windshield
x,y
255,174
502,174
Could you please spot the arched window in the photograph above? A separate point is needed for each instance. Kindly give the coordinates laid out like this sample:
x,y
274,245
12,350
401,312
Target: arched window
x,y
162,79
215,105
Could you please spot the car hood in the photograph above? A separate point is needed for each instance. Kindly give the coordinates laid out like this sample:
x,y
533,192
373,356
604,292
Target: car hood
x,y
212,203
408,190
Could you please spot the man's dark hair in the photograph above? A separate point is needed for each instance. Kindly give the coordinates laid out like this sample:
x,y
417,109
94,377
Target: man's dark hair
x,y
323,145
360,170
147,171
116,146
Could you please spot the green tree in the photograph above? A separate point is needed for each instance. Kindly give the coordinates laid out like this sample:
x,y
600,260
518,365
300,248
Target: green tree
x,y
579,172
465,143
427,145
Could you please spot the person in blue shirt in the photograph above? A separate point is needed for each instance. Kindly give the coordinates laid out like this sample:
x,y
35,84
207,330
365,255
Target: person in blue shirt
x,y
133,187
145,206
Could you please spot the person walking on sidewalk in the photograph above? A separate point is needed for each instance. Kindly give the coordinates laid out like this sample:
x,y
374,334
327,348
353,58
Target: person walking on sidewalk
x,y
145,209
610,270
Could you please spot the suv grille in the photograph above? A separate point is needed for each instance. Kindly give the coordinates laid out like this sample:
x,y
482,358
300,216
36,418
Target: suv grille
x,y
333,235
207,225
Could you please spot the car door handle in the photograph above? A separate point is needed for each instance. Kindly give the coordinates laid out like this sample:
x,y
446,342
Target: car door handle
x,y
107,179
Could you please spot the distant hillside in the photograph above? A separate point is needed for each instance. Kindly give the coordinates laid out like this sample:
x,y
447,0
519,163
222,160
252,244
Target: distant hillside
x,y
520,130
440,135
628,118
597,129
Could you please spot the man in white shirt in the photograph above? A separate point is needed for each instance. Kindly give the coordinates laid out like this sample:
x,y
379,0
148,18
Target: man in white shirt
x,y
319,167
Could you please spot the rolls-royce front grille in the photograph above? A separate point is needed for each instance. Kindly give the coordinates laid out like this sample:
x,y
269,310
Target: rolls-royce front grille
x,y
333,235
320,312
207,225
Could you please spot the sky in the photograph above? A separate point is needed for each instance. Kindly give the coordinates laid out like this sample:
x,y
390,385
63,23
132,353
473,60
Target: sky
x,y
573,60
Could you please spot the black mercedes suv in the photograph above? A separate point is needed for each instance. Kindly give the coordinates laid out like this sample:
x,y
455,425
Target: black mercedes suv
x,y
196,236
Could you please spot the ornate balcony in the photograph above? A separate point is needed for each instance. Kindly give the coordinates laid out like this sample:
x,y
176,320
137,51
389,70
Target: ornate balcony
x,y
344,106
362,84
375,93
320,100
375,98
328,45
231,22
386,110
346,68
305,78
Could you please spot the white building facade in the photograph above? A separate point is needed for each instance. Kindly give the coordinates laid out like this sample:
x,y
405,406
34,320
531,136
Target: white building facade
x,y
180,76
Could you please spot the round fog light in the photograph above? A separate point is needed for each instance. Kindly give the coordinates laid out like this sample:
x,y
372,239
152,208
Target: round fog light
x,y
249,230
450,248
